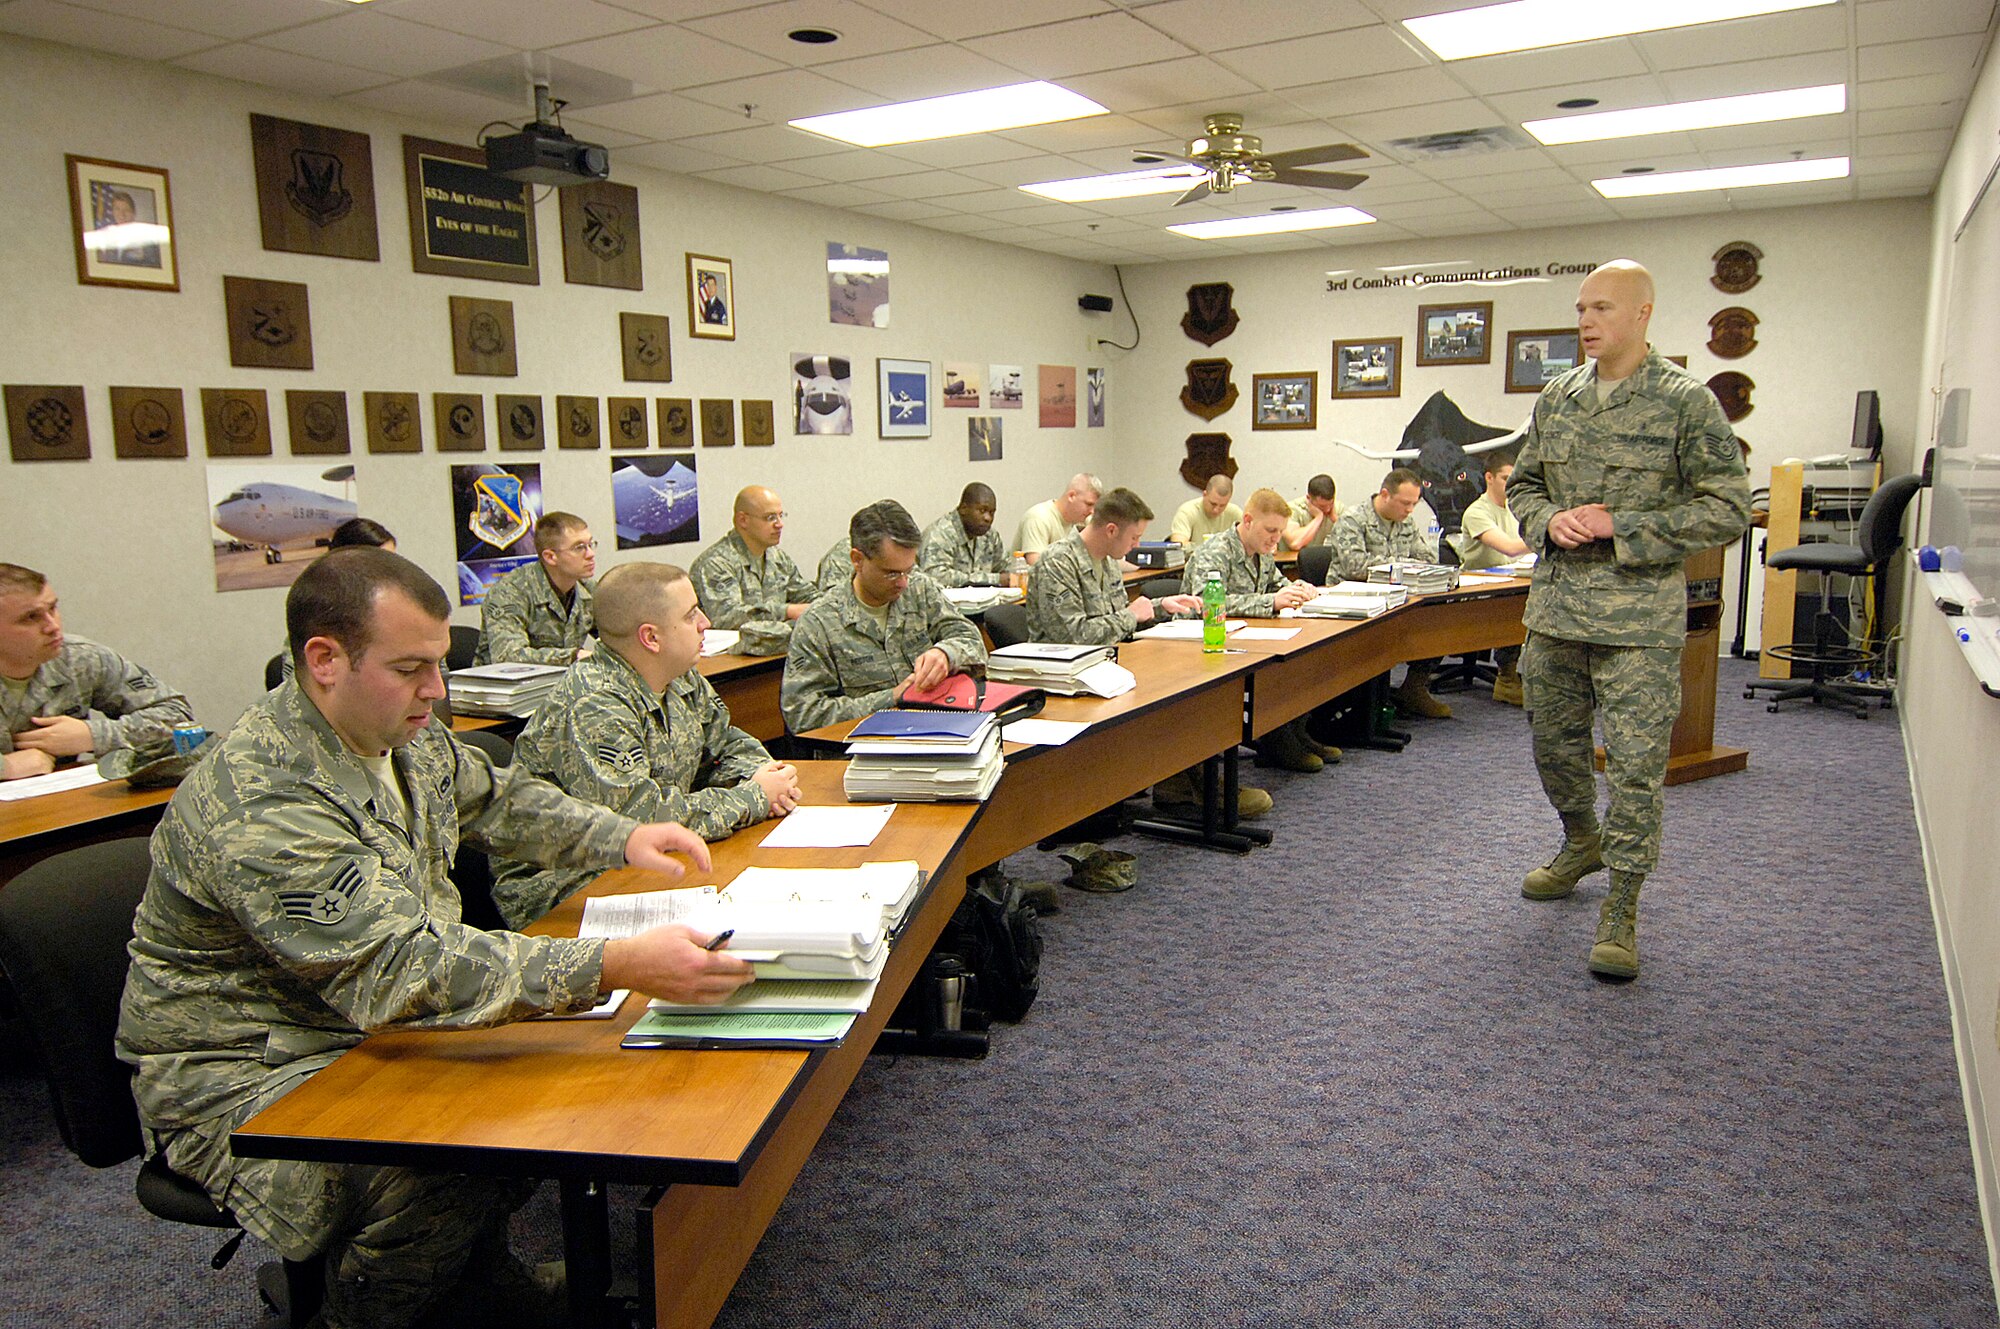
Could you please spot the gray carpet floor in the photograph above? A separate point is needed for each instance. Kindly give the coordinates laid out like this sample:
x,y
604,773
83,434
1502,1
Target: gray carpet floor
x,y
1355,1078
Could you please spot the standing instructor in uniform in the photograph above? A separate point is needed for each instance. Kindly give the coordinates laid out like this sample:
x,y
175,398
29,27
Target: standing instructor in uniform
x,y
1627,468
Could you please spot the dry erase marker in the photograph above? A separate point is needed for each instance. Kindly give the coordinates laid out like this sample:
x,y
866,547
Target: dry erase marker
x,y
715,942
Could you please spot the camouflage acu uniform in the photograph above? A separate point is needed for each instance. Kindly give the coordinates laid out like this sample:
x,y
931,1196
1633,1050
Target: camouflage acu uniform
x,y
1303,512
1606,622
125,706
523,620
836,567
290,912
605,737
749,595
1362,537
1073,597
1250,582
951,558
844,665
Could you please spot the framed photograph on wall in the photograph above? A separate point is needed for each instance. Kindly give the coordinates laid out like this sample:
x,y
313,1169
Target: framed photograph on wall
x,y
1371,368
711,297
1284,401
122,220
1536,355
1455,334
904,395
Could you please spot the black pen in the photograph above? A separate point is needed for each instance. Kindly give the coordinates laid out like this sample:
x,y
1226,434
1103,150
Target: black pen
x,y
715,942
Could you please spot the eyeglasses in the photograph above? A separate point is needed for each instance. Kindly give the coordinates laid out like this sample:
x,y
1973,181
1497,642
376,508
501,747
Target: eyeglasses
x,y
772,517
583,547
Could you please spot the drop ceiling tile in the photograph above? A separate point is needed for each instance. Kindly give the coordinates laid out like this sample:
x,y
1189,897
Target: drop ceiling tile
x,y
1613,152
1215,25
1260,111
1775,138
100,32
667,58
1938,55
1098,225
1303,60
675,157
1803,148
1566,192
1166,83
457,114
857,164
281,69
1790,196
786,94
770,179
929,71
528,25
863,31
1079,46
1375,92
381,42
1902,119
1786,71
1561,67
1558,214
833,195
1097,131
1912,162
904,209
235,19
927,185
1820,29
1612,95
958,20
1901,20
964,151
1512,169
1372,195
1033,212
1922,90
1894,186
960,223
1469,222
664,115
1027,171
755,142
1410,121
679,11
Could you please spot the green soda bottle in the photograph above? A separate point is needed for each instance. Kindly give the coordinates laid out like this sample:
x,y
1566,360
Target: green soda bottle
x,y
1213,629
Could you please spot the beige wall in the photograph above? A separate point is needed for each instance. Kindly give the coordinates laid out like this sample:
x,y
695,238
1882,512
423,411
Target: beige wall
x,y
128,542
1952,730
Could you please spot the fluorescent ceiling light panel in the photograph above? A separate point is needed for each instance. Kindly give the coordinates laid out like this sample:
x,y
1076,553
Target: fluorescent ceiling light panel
x,y
1725,177
1272,223
1129,184
978,112
1526,25
1752,109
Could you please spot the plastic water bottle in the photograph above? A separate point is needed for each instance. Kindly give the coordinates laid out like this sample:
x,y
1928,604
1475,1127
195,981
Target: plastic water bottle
x,y
1431,535
1213,627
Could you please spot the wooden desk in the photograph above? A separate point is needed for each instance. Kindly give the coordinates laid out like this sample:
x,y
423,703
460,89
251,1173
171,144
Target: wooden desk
x,y
34,828
726,1131
748,686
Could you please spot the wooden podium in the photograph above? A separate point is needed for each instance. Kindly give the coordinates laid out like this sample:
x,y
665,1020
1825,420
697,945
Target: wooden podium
x,y
1693,754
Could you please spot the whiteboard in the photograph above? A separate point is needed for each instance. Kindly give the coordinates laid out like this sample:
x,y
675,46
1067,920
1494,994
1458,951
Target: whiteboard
x,y
1965,502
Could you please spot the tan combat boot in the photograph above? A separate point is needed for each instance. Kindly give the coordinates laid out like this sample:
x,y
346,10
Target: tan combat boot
x,y
1179,796
1507,687
1578,858
1413,696
1616,954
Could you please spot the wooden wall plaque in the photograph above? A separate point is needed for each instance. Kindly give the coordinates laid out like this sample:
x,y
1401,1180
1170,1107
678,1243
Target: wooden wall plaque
x,y
482,336
718,423
625,422
461,421
759,427
676,422
318,422
270,323
315,189
148,422
517,419
576,422
395,421
600,233
47,423
642,341
464,220
236,421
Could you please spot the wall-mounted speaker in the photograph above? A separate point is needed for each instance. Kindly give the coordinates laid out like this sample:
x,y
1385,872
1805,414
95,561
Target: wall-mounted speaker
x,y
1097,303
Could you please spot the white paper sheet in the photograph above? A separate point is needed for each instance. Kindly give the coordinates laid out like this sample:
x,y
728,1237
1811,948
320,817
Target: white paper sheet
x,y
829,827
1184,629
34,786
1048,733
1266,634
719,641
629,915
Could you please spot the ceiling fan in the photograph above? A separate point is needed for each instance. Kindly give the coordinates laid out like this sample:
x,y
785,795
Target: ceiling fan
x,y
1232,157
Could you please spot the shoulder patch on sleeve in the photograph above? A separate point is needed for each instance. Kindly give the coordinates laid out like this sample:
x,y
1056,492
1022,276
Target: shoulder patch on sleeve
x,y
628,758
328,905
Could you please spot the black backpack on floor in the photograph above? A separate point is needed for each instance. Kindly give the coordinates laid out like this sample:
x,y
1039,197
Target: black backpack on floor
x,y
998,935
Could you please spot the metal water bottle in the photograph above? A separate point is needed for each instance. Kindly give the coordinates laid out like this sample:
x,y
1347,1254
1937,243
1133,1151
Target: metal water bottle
x,y
1213,628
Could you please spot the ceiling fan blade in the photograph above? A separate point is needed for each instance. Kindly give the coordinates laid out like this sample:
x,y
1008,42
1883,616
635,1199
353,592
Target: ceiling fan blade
x,y
1325,152
1200,191
1317,179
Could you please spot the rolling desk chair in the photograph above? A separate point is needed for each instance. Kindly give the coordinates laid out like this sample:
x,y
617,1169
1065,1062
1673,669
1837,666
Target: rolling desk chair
x,y
1881,534
1155,587
274,671
471,871
464,647
1007,624
1315,563
63,927
1476,670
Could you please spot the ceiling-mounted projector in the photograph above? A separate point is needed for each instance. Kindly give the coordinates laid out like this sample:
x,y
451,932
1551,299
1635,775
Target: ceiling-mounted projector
x,y
545,154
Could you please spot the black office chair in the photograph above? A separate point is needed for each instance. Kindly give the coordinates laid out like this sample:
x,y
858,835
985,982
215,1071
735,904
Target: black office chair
x,y
1474,670
1315,564
64,924
1833,661
471,870
464,647
1155,587
274,671
1007,624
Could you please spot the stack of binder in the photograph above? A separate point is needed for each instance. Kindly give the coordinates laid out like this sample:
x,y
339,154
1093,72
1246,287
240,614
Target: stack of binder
x,y
514,689
1057,667
923,757
979,599
1355,599
1158,555
1418,578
